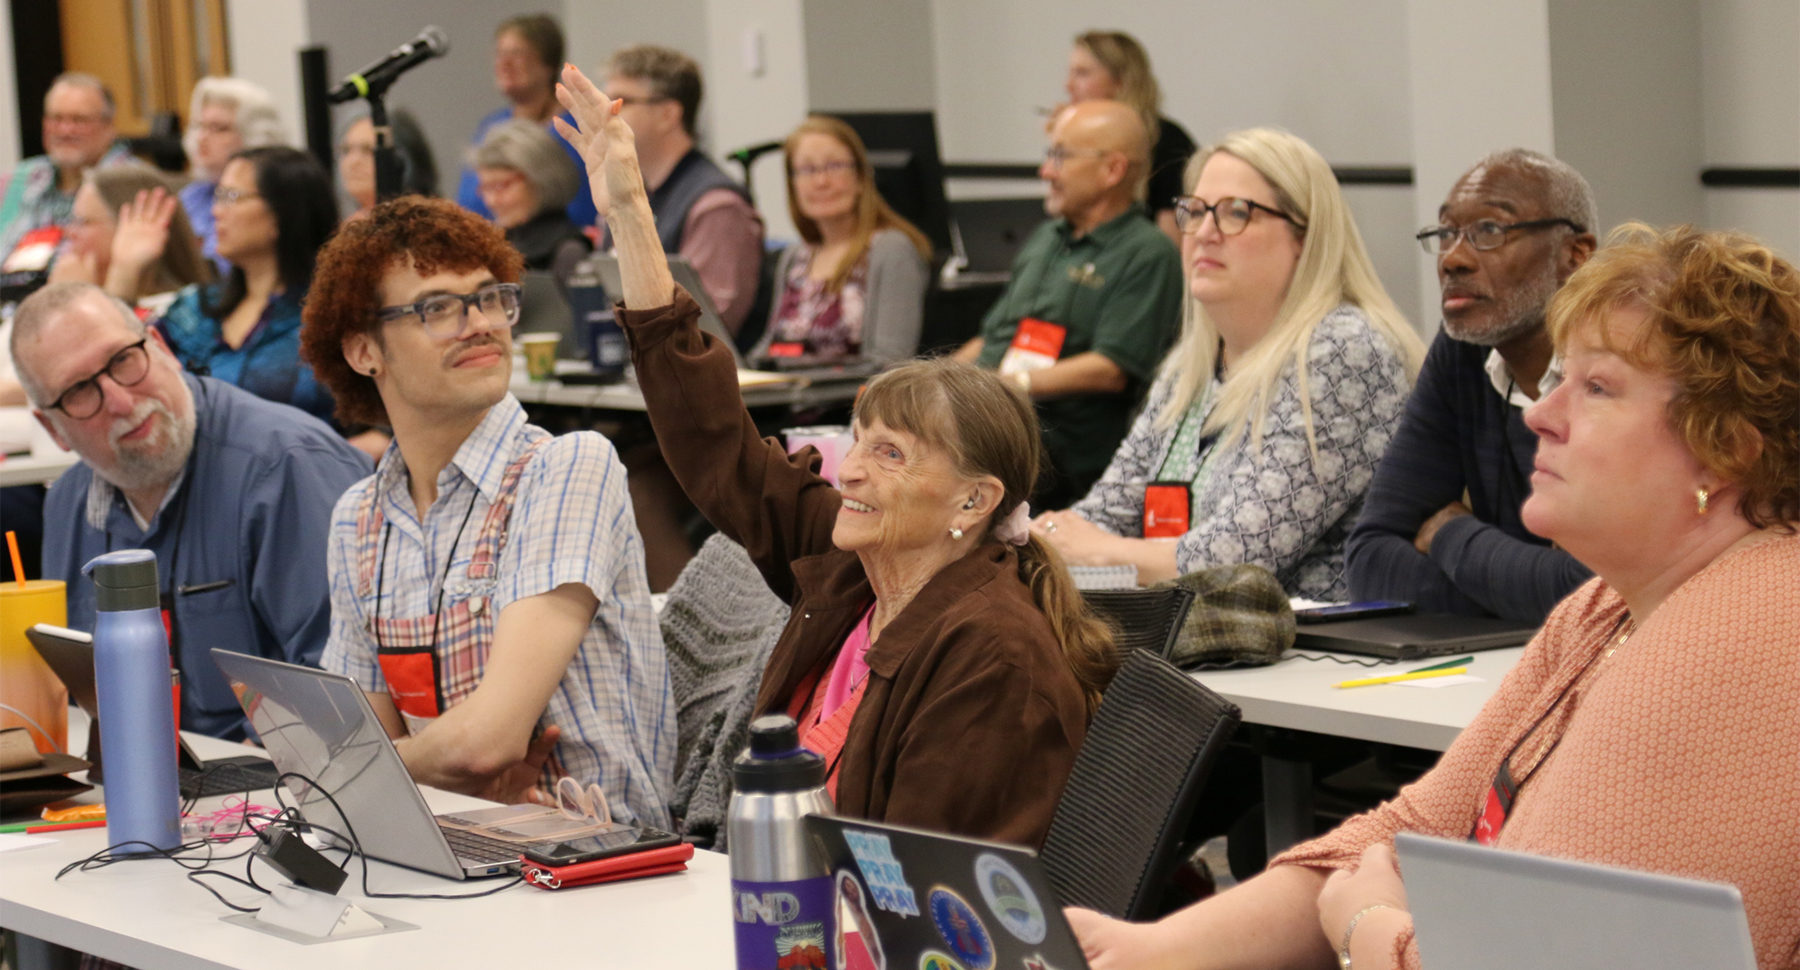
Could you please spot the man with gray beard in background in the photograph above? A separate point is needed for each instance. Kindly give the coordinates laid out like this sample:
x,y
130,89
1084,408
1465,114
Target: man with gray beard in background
x,y
233,493
1440,527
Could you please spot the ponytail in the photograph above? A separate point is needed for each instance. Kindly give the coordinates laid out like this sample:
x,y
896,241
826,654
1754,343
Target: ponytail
x,y
1086,639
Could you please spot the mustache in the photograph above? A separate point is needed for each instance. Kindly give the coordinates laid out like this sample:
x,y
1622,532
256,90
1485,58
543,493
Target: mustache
x,y
120,427
463,349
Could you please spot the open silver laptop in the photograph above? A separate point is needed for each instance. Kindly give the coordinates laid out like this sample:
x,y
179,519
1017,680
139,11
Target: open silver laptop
x,y
319,725
1476,908
607,267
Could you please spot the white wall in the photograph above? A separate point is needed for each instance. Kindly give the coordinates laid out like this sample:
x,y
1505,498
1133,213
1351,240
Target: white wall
x,y
869,55
1750,93
9,98
265,37
750,107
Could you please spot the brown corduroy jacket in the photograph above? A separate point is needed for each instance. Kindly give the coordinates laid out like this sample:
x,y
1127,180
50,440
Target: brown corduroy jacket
x,y
971,718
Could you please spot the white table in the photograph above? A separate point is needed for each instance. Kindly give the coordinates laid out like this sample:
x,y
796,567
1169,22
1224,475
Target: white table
x,y
34,470
625,395
146,914
1297,694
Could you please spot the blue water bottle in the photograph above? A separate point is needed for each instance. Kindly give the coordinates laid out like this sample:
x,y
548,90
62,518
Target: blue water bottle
x,y
781,898
137,714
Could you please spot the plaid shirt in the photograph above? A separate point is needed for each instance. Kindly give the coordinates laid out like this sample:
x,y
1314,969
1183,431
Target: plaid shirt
x,y
571,523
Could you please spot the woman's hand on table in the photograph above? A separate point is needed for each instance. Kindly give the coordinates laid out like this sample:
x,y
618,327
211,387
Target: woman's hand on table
x,y
1082,543
1374,882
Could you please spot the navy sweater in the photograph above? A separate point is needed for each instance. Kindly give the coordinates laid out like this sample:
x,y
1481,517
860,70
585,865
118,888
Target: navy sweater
x,y
1457,434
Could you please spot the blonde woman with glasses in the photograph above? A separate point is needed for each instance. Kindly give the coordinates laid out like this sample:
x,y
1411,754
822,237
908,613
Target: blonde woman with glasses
x,y
1263,430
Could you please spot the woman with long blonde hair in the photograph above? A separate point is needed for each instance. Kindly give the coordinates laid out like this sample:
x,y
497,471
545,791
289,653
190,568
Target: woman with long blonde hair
x,y
855,285
1265,426
1111,64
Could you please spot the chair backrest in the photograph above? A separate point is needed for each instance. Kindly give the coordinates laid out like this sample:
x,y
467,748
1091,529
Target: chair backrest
x,y
1117,833
1145,619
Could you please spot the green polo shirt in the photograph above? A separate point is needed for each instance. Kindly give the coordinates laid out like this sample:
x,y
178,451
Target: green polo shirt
x,y
1118,291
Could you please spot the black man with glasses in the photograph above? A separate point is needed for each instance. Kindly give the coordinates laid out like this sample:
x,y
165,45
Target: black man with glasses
x,y
487,582
233,493
1094,301
1441,526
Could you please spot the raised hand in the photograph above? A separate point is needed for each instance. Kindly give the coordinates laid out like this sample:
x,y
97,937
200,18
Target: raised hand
x,y
606,143
142,234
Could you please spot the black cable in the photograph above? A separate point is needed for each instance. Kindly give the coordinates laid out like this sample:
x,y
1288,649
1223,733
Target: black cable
x,y
1351,661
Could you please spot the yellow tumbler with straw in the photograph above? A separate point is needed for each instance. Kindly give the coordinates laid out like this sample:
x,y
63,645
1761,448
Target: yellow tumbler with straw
x,y
34,698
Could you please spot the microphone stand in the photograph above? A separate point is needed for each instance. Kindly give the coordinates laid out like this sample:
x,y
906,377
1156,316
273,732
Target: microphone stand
x,y
387,160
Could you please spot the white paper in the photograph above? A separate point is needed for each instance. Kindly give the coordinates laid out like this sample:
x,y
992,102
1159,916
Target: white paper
x,y
9,842
1433,683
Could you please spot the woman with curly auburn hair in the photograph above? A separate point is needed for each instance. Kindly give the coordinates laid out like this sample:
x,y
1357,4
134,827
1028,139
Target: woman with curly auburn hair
x,y
1650,723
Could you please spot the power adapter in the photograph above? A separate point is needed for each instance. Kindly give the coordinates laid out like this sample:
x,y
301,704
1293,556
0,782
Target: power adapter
x,y
303,865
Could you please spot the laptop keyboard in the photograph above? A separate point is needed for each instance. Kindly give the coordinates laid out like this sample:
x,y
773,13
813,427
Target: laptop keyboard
x,y
479,849
226,776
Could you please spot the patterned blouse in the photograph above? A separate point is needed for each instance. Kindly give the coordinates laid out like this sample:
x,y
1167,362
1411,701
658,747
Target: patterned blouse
x,y
1271,505
828,324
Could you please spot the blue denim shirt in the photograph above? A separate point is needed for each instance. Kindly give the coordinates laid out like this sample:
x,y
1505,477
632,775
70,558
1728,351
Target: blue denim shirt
x,y
240,545
268,362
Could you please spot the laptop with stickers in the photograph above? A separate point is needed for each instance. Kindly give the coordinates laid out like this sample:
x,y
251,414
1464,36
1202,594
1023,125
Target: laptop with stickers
x,y
914,900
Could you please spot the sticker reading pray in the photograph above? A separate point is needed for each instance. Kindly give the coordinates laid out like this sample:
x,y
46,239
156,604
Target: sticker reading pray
x,y
887,884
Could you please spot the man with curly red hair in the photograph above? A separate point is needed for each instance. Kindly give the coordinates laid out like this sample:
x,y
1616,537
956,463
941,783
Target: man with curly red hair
x,y
487,582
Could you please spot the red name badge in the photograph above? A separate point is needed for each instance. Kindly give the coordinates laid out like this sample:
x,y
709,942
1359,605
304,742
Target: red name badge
x,y
412,681
1166,510
1493,817
1034,336
787,349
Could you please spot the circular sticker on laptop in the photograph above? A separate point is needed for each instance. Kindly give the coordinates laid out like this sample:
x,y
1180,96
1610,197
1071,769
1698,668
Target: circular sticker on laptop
x,y
1010,898
961,929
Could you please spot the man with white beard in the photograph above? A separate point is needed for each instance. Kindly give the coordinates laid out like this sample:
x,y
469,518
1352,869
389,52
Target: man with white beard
x,y
1440,526
233,493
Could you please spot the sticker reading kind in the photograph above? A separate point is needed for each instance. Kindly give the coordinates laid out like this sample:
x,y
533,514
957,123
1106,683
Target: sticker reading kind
x,y
887,884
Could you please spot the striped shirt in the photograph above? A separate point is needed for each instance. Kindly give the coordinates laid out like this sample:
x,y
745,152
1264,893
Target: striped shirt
x,y
572,523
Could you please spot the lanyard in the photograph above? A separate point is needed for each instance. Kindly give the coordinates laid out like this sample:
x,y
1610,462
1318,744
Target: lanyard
x,y
1190,452
437,610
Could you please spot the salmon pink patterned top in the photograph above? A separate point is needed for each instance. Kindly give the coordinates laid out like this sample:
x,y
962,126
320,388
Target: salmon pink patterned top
x,y
1680,754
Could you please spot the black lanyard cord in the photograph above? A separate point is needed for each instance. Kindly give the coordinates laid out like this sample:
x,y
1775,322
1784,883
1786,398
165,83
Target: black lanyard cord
x,y
437,611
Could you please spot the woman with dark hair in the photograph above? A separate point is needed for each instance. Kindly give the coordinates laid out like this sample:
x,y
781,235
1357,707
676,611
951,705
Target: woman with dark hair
x,y
937,655
273,209
856,282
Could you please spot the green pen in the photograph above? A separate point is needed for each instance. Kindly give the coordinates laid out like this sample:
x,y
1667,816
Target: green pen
x,y
21,826
1448,663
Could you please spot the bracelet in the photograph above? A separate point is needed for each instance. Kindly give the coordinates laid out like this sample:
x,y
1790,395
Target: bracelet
x,y
1344,947
1022,380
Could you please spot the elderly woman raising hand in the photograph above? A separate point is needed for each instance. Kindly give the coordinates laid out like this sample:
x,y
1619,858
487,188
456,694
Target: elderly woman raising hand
x,y
1650,723
937,654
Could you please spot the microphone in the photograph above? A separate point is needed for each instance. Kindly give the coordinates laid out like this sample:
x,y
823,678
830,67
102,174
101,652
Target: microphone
x,y
430,43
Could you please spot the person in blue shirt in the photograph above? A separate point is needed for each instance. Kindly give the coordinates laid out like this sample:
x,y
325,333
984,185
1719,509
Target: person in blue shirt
x,y
528,53
233,493
273,209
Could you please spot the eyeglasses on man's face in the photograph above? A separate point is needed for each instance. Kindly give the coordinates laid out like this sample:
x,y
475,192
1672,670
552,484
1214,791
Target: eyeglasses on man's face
x,y
444,315
84,398
1231,214
1057,155
1483,236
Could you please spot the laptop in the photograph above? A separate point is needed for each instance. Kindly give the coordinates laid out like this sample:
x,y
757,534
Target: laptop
x,y
70,655
606,266
1477,908
940,902
1413,636
987,234
319,725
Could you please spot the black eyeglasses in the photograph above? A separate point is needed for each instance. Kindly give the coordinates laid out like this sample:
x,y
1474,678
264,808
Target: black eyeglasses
x,y
444,314
1484,235
1231,214
127,368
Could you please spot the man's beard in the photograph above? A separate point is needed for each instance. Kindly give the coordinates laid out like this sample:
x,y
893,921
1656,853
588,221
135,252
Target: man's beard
x,y
1520,311
158,458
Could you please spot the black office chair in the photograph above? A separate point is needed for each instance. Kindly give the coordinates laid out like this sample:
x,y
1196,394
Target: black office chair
x,y
1118,829
1145,619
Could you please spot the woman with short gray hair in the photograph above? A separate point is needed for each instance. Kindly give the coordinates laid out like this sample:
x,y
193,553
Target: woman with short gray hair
x,y
225,116
527,181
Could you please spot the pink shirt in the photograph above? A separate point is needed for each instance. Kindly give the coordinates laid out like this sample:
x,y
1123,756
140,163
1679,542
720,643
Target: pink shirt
x,y
849,669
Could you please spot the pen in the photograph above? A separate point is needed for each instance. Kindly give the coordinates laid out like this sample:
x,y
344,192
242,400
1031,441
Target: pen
x,y
64,826
1458,662
1396,678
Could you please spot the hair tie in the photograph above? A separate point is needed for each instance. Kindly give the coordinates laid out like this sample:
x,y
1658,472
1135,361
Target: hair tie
x,y
1015,529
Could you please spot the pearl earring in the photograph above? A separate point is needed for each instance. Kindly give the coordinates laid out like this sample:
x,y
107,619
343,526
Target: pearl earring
x,y
1700,497
955,533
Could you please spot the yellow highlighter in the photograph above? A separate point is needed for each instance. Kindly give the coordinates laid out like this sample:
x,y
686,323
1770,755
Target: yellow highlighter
x,y
1396,678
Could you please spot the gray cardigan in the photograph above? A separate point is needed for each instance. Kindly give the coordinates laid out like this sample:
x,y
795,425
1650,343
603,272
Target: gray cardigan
x,y
895,301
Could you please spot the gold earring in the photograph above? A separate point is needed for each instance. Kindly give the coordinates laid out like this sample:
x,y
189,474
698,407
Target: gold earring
x,y
1700,497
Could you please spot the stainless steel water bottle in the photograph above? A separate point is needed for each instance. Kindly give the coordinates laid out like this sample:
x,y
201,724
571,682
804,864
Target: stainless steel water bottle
x,y
780,893
137,709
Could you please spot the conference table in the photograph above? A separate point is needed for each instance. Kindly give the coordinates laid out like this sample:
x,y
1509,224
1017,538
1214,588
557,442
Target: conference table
x,y
1296,694
147,914
35,469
